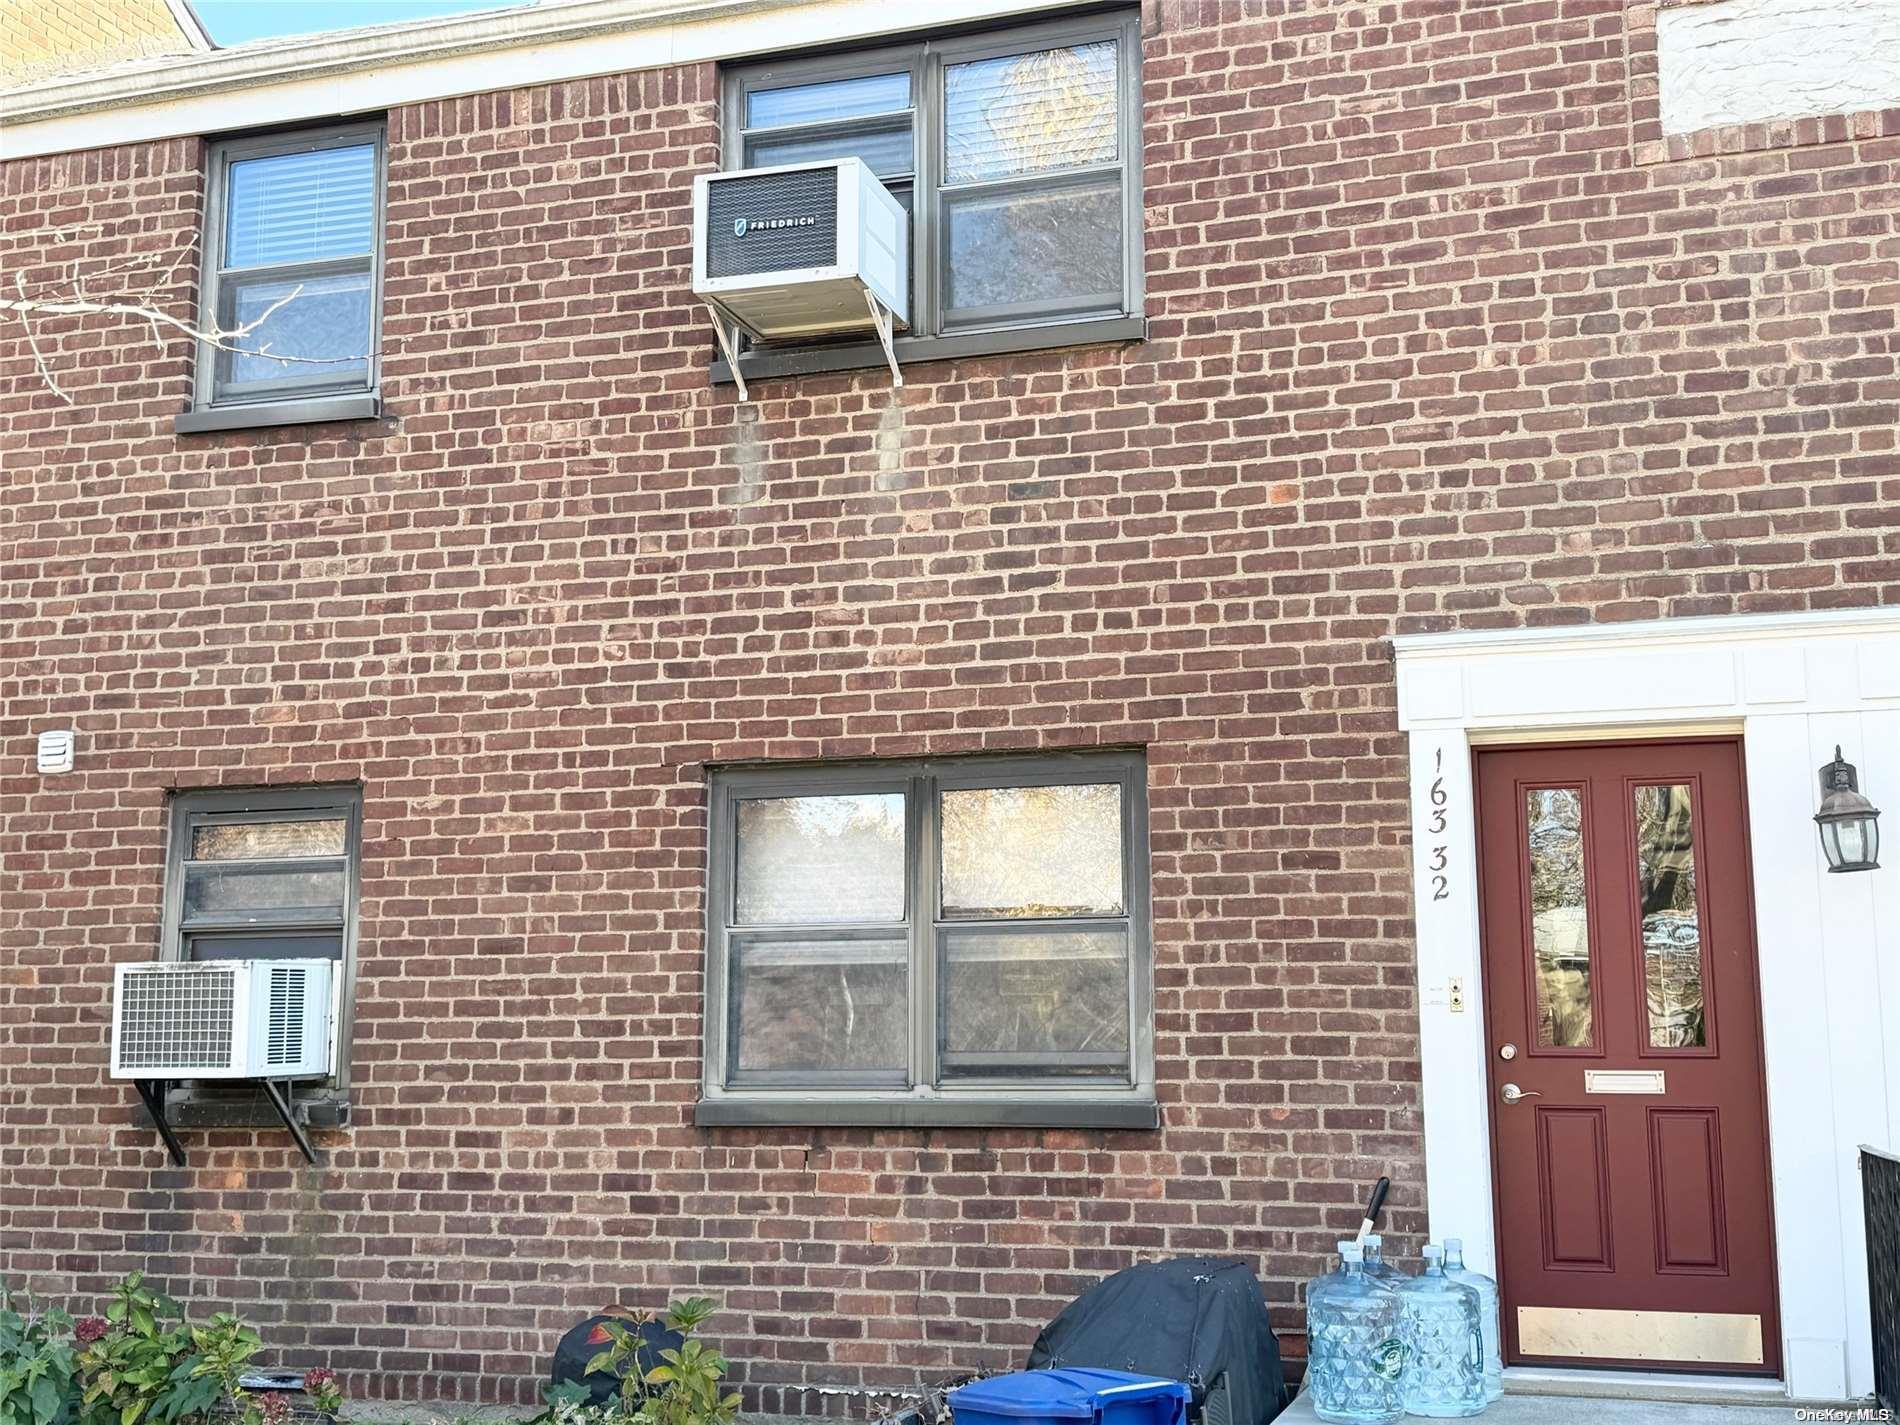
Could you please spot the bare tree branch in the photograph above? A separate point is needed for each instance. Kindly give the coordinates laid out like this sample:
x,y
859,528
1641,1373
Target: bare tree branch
x,y
39,357
139,297
224,339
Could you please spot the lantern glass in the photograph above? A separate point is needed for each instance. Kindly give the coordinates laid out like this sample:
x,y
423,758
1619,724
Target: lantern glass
x,y
1852,843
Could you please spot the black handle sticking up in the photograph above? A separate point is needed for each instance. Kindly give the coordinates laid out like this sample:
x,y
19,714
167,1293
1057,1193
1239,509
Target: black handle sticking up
x,y
1373,1204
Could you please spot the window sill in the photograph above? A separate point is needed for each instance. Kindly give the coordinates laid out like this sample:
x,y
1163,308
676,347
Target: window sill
x,y
314,1110
302,411
765,365
1139,1114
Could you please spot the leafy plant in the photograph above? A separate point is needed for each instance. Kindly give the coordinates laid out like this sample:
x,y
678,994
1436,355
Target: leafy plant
x,y
37,1364
324,1390
141,1363
143,1371
224,1348
567,1408
684,1388
689,1389
568,1392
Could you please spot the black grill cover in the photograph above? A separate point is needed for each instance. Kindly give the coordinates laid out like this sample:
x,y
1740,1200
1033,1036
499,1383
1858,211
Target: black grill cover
x,y
772,222
587,1340
1194,1319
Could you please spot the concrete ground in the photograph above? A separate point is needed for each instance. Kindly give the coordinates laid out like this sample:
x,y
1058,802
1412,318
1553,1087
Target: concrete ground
x,y
1532,1397
1535,1395
1596,1410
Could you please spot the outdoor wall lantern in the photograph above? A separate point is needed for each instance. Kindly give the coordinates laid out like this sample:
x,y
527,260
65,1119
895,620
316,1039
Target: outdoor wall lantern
x,y
1850,824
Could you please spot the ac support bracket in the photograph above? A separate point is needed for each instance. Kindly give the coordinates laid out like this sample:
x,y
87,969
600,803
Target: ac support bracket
x,y
729,347
886,322
727,334
280,1101
153,1092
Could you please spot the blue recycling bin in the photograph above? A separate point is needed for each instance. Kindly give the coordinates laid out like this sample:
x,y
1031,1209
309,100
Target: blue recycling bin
x,y
1068,1395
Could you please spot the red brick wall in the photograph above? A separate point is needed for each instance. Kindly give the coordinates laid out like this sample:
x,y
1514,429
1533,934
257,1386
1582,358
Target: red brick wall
x,y
1430,349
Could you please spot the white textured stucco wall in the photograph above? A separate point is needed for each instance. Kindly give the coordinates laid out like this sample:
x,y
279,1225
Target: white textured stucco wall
x,y
1743,61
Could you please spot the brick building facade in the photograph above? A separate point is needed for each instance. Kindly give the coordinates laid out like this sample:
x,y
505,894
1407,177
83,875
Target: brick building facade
x,y
1443,333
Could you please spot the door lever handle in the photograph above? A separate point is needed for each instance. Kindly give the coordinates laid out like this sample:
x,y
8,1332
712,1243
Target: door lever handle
x,y
1511,1093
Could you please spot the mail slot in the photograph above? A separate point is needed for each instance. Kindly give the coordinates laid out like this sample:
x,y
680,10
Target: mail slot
x,y
1622,1080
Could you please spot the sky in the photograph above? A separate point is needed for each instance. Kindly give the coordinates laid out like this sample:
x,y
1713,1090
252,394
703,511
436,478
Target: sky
x,y
232,22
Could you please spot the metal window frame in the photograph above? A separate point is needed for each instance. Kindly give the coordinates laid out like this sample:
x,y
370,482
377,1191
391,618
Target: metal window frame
x,y
1124,30
265,804
925,60
928,1098
284,401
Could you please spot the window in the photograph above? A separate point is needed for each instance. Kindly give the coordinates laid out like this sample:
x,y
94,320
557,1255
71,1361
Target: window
x,y
931,942
292,262
1017,155
265,875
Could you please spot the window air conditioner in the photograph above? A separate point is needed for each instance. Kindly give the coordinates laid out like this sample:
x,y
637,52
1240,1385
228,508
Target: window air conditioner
x,y
222,1019
799,253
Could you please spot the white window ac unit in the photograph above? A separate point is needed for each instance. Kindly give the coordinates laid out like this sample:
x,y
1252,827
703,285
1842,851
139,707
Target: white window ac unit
x,y
222,1019
801,252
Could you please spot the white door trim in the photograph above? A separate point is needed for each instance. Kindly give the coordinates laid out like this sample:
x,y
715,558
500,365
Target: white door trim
x,y
1828,946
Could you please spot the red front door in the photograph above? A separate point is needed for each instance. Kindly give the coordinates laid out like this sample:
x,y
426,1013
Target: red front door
x,y
1624,1039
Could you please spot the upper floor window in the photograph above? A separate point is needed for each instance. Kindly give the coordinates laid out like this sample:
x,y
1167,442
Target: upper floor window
x,y
963,941
1016,153
292,277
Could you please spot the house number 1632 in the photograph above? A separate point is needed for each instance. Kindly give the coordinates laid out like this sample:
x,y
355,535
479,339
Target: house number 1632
x,y
1440,853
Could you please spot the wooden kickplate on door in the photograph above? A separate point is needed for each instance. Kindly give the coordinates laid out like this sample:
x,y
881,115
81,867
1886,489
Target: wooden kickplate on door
x,y
1639,1335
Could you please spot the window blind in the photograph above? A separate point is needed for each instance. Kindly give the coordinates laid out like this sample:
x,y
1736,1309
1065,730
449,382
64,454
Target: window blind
x,y
301,207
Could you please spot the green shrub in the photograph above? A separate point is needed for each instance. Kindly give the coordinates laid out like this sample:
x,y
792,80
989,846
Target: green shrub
x,y
37,1366
144,1367
141,1363
683,1389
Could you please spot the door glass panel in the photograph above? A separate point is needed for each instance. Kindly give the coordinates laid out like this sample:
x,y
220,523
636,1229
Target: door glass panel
x,y
1560,920
807,860
1016,852
1672,930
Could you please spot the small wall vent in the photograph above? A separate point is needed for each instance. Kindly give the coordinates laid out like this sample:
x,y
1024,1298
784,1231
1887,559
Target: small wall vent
x,y
55,752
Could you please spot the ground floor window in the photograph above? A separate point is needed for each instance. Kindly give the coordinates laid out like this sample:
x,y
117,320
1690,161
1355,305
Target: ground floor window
x,y
951,940
266,874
